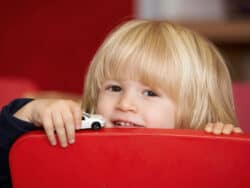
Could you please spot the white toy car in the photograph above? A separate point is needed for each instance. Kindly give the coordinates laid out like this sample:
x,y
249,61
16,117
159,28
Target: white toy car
x,y
92,121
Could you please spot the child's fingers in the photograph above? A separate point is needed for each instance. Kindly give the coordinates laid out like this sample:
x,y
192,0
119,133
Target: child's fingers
x,y
217,128
59,127
227,129
209,127
49,130
77,113
237,130
69,126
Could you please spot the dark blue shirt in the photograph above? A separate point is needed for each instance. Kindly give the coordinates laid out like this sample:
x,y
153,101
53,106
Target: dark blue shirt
x,y
10,129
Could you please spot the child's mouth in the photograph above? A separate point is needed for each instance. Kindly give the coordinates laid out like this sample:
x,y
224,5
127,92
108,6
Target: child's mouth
x,y
126,124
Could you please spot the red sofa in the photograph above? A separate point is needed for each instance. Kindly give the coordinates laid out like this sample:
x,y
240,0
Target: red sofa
x,y
133,158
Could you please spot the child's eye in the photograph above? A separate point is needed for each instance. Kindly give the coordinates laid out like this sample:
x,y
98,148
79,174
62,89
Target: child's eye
x,y
114,88
150,93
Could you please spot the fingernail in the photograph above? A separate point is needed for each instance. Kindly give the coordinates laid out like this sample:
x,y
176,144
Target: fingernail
x,y
217,132
226,132
208,129
72,141
64,145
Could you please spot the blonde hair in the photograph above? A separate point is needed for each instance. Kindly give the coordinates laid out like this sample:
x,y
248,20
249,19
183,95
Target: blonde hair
x,y
161,54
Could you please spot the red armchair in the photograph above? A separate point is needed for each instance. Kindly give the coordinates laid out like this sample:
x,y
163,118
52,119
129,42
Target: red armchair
x,y
133,158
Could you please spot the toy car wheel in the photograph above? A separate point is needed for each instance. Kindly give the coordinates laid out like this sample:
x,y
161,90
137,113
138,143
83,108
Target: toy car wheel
x,y
96,125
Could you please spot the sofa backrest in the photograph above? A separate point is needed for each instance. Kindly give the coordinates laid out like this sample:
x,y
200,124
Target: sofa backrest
x,y
133,158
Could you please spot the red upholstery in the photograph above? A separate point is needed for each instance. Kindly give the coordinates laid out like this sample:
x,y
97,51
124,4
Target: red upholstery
x,y
13,88
117,158
242,104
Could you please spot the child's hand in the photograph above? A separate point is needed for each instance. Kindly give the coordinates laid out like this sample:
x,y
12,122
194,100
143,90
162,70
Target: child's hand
x,y
60,116
220,128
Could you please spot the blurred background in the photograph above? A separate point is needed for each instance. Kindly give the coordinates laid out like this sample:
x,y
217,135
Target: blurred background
x,y
46,45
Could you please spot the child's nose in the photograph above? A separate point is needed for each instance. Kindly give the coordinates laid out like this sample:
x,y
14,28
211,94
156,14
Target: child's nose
x,y
127,102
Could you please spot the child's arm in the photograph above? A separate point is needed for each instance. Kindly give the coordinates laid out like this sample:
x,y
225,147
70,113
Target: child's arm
x,y
62,116
220,128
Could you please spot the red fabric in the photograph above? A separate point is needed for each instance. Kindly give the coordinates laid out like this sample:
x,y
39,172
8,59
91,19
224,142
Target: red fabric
x,y
133,158
242,104
12,88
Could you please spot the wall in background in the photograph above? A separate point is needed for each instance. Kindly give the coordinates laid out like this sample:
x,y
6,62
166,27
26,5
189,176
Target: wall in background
x,y
224,22
188,10
53,41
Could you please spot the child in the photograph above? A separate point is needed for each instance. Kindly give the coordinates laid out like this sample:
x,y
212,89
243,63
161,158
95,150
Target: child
x,y
146,74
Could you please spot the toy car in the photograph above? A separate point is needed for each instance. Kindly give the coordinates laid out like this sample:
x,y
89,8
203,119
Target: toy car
x,y
92,121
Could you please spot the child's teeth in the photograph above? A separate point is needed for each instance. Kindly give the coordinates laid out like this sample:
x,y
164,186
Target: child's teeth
x,y
121,123
125,124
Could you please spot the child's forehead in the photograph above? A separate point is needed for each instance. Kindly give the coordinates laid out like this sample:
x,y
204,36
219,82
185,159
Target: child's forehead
x,y
127,74
136,75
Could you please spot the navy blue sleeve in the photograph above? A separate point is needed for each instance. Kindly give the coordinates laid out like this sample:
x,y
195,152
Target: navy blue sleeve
x,y
10,129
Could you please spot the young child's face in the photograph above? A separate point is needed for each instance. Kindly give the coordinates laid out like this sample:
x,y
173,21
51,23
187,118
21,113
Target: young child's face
x,y
129,104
